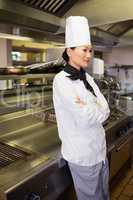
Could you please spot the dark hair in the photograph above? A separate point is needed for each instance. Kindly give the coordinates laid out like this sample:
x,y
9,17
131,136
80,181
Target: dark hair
x,y
65,55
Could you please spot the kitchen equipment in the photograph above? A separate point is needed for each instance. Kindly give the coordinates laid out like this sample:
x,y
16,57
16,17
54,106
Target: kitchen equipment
x,y
125,103
119,136
54,66
49,67
9,154
98,66
120,153
13,71
43,175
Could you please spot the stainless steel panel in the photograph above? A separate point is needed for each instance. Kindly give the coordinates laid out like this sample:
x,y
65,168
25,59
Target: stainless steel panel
x,y
120,155
40,137
42,186
16,123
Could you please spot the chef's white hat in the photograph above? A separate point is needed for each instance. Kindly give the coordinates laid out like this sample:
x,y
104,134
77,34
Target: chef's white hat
x,y
77,31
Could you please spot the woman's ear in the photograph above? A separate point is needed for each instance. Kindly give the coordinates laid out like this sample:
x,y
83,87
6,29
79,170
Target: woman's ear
x,y
68,50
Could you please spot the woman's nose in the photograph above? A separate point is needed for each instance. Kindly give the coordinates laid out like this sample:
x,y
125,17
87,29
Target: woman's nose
x,y
88,54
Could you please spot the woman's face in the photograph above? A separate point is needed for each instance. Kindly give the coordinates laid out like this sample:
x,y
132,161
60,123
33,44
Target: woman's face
x,y
80,56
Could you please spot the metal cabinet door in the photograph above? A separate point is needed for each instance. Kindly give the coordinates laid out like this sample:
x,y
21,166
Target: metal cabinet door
x,y
119,155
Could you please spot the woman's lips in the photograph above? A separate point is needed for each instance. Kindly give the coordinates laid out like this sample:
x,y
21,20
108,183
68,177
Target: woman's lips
x,y
87,61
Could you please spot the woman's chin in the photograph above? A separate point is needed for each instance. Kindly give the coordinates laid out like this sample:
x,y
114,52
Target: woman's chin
x,y
85,66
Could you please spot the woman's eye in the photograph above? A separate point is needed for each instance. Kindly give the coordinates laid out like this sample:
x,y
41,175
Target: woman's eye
x,y
84,50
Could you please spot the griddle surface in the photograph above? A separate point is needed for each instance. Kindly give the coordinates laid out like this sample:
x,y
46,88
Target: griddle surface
x,y
9,154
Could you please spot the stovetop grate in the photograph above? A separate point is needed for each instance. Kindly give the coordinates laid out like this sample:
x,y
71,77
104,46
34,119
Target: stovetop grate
x,y
9,154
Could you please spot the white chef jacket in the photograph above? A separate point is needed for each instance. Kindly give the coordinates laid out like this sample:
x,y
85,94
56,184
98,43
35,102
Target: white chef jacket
x,y
80,126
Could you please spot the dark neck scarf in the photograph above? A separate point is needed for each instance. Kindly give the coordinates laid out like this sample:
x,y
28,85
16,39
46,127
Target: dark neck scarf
x,y
78,74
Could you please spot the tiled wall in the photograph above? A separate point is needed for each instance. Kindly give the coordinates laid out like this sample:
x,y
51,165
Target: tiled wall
x,y
121,56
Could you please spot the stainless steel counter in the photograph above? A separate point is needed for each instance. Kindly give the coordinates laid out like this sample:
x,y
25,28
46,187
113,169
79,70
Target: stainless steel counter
x,y
39,139
27,131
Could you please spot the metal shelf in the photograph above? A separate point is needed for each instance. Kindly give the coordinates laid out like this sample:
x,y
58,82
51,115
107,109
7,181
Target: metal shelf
x,y
36,88
27,76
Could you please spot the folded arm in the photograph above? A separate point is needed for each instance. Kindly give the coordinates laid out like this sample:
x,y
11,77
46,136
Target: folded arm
x,y
84,113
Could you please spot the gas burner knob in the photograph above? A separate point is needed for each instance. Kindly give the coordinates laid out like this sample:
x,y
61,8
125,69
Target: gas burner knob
x,y
32,196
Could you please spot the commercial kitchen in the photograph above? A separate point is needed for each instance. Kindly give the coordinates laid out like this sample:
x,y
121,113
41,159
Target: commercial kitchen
x,y
31,46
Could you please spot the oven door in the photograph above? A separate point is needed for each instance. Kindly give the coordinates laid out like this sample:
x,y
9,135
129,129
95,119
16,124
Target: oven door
x,y
120,154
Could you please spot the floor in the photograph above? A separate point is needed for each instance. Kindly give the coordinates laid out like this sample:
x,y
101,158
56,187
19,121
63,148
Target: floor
x,y
124,189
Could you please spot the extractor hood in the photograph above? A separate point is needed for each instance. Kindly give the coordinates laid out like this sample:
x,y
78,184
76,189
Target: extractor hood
x,y
40,19
16,12
101,37
29,21
55,7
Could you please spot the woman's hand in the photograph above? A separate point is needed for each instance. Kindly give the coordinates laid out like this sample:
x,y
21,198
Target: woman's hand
x,y
79,101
